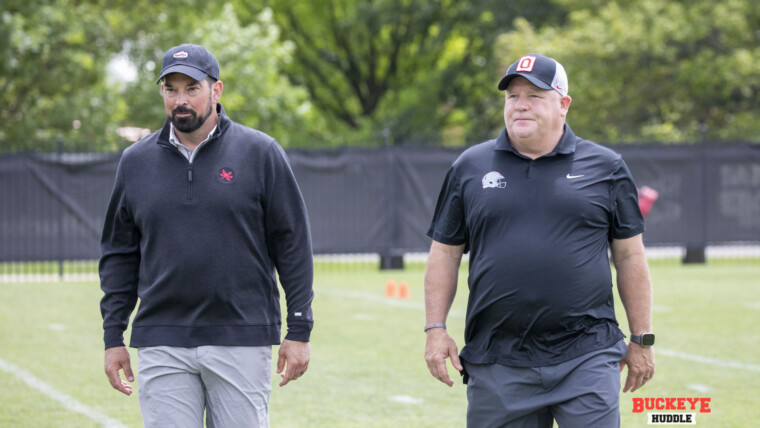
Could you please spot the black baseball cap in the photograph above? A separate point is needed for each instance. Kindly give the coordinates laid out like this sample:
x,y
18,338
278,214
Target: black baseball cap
x,y
542,71
191,60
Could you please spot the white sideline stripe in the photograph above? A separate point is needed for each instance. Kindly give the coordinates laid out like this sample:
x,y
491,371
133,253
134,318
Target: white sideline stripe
x,y
708,360
704,389
405,399
67,401
460,314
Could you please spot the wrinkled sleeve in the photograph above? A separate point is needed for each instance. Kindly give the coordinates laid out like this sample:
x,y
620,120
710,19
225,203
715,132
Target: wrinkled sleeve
x,y
448,225
289,243
119,263
627,220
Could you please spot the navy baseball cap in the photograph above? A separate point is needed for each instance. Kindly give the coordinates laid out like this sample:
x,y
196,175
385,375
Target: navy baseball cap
x,y
191,60
542,71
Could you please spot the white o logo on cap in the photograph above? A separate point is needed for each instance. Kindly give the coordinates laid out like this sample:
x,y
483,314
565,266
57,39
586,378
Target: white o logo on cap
x,y
526,63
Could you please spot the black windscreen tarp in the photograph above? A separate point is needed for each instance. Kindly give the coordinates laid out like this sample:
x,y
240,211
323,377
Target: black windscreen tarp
x,y
378,200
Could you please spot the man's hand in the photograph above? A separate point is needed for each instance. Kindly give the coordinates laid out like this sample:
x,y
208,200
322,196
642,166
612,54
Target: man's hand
x,y
295,356
640,362
439,346
118,359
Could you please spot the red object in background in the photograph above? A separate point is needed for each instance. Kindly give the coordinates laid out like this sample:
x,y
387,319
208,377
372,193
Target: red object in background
x,y
647,197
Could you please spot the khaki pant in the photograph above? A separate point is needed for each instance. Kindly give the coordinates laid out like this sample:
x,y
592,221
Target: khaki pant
x,y
230,383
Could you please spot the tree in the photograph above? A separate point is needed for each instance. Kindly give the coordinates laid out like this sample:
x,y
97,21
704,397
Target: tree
x,y
53,68
52,62
655,71
410,67
255,93
56,84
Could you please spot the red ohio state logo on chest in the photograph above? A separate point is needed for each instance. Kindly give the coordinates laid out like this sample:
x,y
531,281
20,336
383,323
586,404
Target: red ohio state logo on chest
x,y
226,175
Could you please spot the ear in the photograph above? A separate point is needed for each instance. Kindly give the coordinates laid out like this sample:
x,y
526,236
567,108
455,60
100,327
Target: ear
x,y
565,104
216,90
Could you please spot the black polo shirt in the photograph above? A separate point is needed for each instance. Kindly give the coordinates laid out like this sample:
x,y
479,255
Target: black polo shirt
x,y
537,232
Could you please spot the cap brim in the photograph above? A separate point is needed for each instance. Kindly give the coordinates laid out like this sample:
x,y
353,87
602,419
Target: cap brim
x,y
184,69
534,80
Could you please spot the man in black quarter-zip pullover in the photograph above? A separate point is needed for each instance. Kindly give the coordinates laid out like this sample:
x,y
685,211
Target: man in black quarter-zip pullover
x,y
204,214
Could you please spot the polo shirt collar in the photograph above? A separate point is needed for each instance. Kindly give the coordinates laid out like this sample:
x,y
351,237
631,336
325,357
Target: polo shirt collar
x,y
175,141
565,146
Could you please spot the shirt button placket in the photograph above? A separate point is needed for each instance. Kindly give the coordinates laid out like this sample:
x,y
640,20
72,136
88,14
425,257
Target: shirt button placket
x,y
531,167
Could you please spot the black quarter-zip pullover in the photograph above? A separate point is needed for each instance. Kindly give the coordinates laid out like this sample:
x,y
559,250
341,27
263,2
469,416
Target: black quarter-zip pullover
x,y
201,244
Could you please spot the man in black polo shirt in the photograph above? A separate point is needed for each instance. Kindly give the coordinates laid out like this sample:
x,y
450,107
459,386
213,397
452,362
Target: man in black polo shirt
x,y
538,208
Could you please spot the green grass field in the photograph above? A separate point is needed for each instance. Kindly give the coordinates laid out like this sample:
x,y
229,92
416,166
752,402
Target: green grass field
x,y
367,367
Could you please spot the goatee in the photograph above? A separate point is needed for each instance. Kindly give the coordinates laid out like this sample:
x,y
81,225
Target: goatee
x,y
191,123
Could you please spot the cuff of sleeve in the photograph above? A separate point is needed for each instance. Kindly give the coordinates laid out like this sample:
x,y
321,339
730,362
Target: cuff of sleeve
x,y
298,333
113,337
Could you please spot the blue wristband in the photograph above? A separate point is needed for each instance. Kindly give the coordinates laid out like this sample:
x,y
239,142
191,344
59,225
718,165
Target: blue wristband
x,y
435,325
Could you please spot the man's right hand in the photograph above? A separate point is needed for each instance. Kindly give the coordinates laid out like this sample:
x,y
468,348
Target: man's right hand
x,y
439,346
118,359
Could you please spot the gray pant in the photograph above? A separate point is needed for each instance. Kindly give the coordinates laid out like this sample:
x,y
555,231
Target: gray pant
x,y
583,392
231,383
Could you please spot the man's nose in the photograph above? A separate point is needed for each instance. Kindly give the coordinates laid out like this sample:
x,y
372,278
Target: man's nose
x,y
180,99
521,103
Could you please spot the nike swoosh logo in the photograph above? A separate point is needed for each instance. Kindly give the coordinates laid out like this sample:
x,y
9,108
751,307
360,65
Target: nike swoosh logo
x,y
570,177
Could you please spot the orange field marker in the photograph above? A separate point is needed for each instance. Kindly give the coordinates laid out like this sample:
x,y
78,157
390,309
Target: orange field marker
x,y
404,292
390,289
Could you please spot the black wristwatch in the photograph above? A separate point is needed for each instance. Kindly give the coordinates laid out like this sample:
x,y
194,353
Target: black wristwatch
x,y
646,340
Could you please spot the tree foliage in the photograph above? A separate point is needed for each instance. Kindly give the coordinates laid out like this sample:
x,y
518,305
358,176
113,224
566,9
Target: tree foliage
x,y
336,72
249,56
50,73
58,80
655,71
53,67
410,67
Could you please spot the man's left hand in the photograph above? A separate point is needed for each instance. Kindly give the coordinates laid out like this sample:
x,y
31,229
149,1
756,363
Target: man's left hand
x,y
293,360
640,362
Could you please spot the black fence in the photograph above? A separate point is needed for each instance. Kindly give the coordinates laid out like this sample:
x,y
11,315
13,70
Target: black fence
x,y
380,201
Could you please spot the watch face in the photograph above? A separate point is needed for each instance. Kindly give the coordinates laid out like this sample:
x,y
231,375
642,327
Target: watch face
x,y
647,339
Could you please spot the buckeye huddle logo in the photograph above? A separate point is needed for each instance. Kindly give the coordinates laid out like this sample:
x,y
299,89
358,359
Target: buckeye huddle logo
x,y
666,410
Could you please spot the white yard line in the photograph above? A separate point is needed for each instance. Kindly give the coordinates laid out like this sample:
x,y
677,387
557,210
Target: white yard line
x,y
707,360
460,314
67,401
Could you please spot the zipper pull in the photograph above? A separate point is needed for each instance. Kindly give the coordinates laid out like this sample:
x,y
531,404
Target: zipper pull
x,y
190,173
